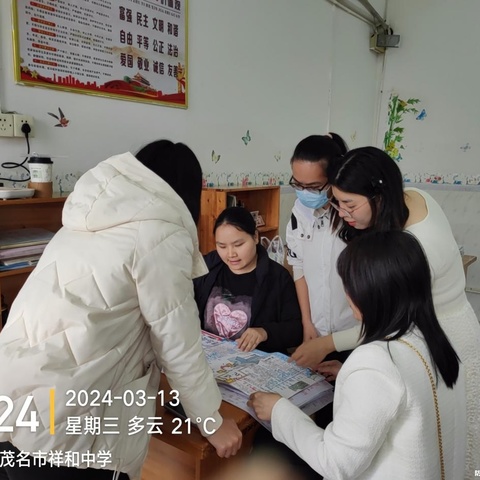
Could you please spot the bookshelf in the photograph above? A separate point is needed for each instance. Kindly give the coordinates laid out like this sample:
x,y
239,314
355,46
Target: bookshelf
x,y
265,200
24,213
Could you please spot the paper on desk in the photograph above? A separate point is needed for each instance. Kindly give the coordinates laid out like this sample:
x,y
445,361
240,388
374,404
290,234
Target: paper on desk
x,y
239,399
241,373
255,371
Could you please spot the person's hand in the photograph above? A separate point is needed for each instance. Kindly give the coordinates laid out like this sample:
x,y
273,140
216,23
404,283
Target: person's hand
x,y
309,331
227,439
310,354
329,369
263,404
250,338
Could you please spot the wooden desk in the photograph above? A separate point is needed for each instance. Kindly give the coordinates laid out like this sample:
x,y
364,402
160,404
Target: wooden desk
x,y
190,456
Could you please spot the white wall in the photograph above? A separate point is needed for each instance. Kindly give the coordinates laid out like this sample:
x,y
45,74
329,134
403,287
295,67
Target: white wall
x,y
263,66
284,70
354,102
438,62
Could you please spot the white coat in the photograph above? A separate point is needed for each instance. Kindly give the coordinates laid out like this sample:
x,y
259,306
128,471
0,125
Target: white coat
x,y
384,423
109,304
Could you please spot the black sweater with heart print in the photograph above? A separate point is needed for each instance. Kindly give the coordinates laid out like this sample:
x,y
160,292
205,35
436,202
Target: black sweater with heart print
x,y
275,305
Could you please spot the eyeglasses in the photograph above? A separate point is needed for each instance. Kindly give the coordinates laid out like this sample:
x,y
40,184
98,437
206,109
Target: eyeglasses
x,y
349,212
313,189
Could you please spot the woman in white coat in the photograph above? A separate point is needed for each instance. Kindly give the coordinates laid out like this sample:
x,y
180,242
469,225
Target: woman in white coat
x,y
399,406
109,304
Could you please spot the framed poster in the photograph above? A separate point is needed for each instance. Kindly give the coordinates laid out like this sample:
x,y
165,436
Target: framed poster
x,y
126,49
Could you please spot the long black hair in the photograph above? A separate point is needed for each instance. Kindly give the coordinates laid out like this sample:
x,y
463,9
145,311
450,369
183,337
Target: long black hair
x,y
370,172
179,167
387,277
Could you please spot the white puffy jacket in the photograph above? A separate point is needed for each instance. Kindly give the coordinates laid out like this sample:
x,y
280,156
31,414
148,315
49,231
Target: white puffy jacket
x,y
109,304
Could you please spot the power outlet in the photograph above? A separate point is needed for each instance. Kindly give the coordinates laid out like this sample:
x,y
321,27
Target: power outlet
x,y
18,121
6,125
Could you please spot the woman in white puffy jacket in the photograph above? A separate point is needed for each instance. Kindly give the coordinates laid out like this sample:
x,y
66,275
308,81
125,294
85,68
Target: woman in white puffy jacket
x,y
109,304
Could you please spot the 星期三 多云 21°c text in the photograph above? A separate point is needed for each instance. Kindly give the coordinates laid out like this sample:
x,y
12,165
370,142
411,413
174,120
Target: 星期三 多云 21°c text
x,y
106,423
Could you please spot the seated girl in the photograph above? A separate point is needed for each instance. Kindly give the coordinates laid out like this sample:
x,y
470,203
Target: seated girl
x,y
246,296
399,406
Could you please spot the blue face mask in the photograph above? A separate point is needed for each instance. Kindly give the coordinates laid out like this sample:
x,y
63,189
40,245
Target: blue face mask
x,y
312,200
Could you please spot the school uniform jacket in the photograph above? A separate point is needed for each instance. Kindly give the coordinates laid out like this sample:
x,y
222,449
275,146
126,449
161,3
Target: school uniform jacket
x,y
274,304
109,304
312,251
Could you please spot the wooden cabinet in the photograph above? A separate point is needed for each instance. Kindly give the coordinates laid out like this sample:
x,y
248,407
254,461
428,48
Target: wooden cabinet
x,y
265,200
26,213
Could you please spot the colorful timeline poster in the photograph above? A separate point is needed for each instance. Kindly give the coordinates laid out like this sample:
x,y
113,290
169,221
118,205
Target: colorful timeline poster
x,y
127,49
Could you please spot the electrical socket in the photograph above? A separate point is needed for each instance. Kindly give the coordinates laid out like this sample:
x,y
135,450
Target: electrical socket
x,y
6,125
18,121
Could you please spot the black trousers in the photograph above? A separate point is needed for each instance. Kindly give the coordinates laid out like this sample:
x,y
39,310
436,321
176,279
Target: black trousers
x,y
47,472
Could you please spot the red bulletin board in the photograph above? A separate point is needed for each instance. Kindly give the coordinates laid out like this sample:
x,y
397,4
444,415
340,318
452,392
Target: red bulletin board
x,y
125,49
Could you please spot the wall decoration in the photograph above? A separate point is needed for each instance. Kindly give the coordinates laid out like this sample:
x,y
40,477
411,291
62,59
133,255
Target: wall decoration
x,y
215,157
465,147
230,181
246,139
277,156
442,179
397,108
65,183
62,120
16,182
245,179
422,115
131,50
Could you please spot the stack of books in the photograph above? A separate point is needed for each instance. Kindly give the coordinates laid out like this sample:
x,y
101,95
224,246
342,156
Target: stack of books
x,y
22,247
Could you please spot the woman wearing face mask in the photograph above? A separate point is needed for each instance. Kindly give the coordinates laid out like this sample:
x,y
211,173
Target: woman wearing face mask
x,y
246,296
313,248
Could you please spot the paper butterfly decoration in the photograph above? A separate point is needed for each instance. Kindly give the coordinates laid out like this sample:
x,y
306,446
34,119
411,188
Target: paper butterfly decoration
x,y
215,157
246,139
466,147
421,115
277,156
63,122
